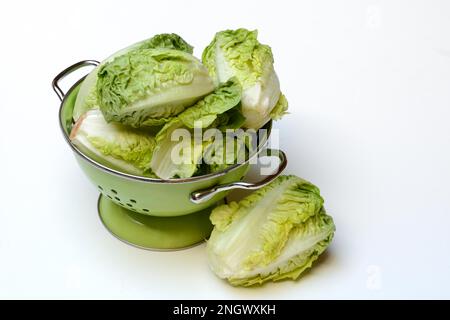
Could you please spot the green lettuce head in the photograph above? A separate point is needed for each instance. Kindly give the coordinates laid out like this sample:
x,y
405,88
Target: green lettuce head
x,y
150,84
87,96
178,154
238,53
119,147
275,233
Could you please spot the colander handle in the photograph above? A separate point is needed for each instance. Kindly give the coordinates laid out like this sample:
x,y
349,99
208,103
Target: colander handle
x,y
55,83
206,194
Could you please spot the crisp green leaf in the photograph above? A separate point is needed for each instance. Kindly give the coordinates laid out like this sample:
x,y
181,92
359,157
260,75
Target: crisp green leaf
x,y
273,234
152,122
230,120
166,160
87,96
166,40
205,111
176,156
126,149
230,149
238,53
150,84
280,108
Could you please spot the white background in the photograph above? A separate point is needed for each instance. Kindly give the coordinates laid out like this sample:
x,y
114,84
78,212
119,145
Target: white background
x,y
369,89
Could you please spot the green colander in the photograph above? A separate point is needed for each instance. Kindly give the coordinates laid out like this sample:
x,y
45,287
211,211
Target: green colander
x,y
154,213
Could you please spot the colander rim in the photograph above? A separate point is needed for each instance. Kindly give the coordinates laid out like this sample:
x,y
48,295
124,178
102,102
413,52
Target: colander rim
x,y
142,178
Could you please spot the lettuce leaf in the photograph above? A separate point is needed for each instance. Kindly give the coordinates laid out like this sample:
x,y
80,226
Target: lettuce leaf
x,y
119,147
206,111
150,84
238,53
180,159
275,233
174,158
87,96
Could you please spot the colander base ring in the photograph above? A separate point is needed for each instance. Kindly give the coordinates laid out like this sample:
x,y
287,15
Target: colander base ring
x,y
154,233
